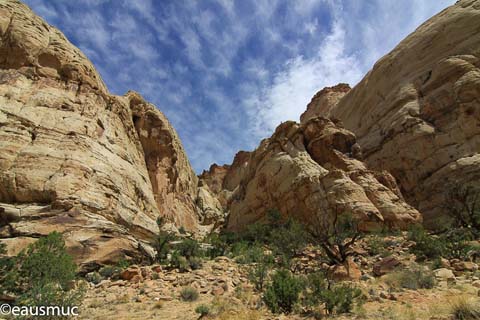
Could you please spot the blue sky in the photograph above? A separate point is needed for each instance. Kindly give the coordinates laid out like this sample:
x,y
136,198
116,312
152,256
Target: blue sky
x,y
226,72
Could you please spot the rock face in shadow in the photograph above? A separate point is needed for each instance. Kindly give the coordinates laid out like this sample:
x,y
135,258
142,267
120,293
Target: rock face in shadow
x,y
416,114
310,170
74,158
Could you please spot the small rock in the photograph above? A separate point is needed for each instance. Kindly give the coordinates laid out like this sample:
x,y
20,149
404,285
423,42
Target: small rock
x,y
465,266
445,263
129,273
218,291
476,283
348,271
157,268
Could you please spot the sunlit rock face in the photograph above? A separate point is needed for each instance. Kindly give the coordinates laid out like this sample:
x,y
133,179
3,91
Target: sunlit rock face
x,y
416,114
313,169
74,158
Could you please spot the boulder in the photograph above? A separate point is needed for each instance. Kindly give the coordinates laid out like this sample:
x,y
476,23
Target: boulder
x,y
444,274
386,265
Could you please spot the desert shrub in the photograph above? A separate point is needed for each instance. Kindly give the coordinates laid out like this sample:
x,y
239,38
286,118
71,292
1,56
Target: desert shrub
x,y
336,299
161,244
259,272
426,246
109,271
195,263
179,262
123,264
463,206
288,240
283,292
376,245
463,309
336,234
189,294
239,248
457,243
203,310
417,277
219,245
42,274
450,244
189,248
93,277
253,254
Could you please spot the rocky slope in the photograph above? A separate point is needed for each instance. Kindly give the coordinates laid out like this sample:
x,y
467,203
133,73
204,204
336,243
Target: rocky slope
x,y
76,159
417,112
311,170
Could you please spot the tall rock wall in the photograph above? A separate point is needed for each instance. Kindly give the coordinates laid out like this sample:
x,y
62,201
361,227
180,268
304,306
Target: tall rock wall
x,y
416,114
309,171
76,159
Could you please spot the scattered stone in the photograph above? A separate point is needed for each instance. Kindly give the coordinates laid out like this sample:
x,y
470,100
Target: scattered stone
x,y
444,274
465,266
129,273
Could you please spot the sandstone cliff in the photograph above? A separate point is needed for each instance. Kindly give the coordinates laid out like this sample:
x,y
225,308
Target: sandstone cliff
x,y
76,159
309,170
417,112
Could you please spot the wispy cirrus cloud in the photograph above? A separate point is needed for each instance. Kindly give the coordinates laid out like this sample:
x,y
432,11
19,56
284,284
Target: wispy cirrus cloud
x,y
226,72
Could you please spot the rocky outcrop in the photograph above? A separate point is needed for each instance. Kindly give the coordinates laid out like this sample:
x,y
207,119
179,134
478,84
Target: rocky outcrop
x,y
173,181
324,101
309,171
214,177
416,114
73,158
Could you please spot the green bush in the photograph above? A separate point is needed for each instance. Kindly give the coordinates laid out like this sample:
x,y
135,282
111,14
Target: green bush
x,y
108,272
376,245
93,277
463,206
179,262
189,294
195,263
219,245
283,292
451,244
258,274
161,244
203,310
337,299
189,248
417,278
252,254
239,248
288,240
426,246
42,274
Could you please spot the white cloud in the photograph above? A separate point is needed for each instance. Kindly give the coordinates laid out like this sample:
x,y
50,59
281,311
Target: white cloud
x,y
305,7
311,26
226,73
292,88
